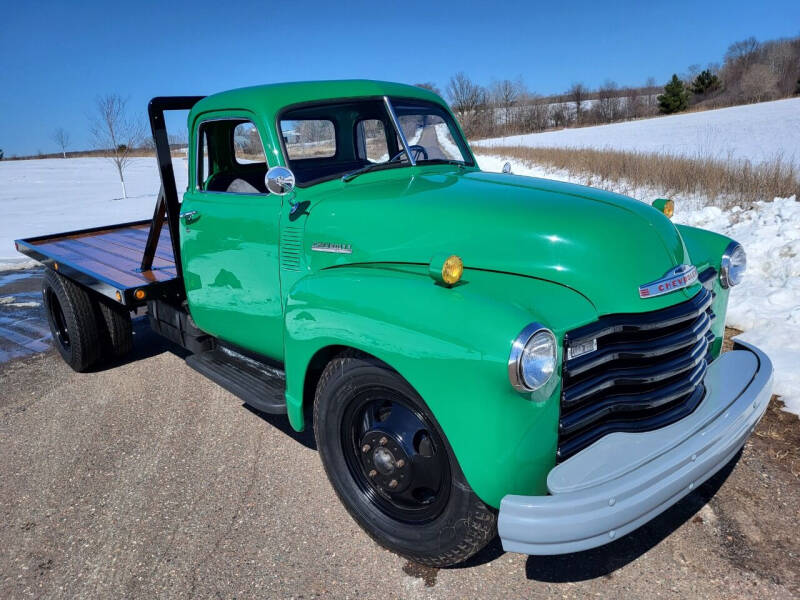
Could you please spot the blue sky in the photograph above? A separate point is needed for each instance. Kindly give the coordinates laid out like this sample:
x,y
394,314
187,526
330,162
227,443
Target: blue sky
x,y
55,58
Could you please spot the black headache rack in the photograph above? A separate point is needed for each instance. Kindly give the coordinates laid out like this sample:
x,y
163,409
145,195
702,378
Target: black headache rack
x,y
129,262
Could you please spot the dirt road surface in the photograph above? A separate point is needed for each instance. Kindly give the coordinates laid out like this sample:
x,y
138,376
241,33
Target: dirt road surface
x,y
146,480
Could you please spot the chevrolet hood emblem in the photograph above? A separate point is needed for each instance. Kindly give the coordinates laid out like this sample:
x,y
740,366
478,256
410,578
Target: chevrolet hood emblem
x,y
675,279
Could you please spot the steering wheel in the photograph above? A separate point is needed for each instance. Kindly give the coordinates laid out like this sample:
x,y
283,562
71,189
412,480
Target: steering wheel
x,y
416,150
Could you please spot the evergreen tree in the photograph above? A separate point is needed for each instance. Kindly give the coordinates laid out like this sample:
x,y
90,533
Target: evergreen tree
x,y
705,82
675,97
1,155
797,89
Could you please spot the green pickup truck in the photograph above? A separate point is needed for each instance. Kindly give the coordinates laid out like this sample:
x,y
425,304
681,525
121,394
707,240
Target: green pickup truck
x,y
478,353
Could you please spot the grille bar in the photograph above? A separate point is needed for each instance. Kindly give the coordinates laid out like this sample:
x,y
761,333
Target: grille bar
x,y
647,372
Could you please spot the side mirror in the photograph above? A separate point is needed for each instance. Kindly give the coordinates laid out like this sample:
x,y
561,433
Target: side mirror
x,y
507,168
279,181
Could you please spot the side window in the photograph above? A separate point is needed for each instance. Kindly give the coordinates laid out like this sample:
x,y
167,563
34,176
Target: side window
x,y
230,157
309,138
247,144
371,141
203,160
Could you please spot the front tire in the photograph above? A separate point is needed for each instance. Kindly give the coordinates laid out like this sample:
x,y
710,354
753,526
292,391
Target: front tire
x,y
392,467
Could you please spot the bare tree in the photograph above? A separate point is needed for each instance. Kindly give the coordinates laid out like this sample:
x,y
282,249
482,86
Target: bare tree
x,y
468,100
559,114
634,105
535,114
743,52
61,138
608,103
115,133
578,95
505,95
758,83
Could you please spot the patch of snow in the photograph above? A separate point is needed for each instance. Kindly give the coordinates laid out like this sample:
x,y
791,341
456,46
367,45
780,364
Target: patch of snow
x,y
446,142
766,305
755,132
11,301
39,197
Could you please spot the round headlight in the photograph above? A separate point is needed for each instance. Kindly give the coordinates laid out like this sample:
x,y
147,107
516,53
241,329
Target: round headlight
x,y
734,264
533,358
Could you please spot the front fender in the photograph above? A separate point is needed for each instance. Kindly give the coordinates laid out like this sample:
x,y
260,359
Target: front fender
x,y
705,250
452,346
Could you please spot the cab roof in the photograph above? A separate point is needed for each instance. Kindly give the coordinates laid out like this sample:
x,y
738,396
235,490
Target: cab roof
x,y
272,98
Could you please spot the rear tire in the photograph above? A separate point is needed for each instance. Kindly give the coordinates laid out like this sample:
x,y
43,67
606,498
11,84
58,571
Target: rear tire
x,y
115,328
391,466
71,316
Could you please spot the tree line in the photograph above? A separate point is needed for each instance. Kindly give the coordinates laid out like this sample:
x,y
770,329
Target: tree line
x,y
751,72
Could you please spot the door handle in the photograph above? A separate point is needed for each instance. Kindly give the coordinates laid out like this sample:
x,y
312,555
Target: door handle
x,y
189,216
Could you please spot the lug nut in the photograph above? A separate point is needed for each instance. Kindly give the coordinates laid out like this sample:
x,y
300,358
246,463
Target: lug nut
x,y
372,473
401,463
365,448
383,441
393,483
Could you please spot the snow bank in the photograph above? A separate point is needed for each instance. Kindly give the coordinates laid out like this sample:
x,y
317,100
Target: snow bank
x,y
755,132
38,197
766,305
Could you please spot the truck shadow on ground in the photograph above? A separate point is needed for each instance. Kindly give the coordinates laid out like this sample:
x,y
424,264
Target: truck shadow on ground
x,y
146,343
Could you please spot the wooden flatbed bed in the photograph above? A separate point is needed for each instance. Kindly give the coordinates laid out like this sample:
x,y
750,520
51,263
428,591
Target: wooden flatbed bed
x,y
108,260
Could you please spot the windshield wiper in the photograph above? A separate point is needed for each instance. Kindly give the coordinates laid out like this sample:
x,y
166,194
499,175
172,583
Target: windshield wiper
x,y
353,174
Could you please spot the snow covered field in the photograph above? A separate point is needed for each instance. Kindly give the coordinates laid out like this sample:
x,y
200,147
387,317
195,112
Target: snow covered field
x,y
766,305
52,195
754,132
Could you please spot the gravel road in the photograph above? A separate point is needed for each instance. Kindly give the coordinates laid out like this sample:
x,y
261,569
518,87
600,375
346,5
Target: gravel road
x,y
146,480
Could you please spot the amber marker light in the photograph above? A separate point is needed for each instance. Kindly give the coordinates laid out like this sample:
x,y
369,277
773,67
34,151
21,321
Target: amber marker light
x,y
118,296
665,205
139,294
446,269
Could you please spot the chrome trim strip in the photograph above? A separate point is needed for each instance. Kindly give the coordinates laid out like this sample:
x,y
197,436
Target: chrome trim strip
x,y
399,130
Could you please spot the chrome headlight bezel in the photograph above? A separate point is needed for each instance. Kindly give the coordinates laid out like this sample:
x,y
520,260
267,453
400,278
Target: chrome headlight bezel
x,y
515,358
733,265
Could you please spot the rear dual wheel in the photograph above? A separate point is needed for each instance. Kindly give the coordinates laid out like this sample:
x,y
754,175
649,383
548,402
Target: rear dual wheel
x,y
87,328
392,467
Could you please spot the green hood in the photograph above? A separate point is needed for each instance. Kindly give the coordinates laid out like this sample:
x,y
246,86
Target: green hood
x,y
600,244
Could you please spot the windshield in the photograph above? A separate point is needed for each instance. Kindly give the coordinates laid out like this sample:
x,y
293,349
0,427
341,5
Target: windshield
x,y
330,140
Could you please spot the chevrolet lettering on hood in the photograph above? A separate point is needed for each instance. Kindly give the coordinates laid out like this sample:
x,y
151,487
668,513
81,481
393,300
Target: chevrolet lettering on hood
x,y
675,279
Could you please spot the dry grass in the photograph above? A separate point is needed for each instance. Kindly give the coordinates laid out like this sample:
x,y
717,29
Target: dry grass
x,y
724,183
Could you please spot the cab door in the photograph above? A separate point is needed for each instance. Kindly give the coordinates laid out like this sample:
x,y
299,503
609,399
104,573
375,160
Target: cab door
x,y
229,230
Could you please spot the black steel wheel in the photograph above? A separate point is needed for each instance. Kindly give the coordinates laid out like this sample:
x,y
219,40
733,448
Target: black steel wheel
x,y
392,467
72,319
395,455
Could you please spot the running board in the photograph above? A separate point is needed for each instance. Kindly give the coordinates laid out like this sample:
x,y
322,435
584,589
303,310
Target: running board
x,y
260,385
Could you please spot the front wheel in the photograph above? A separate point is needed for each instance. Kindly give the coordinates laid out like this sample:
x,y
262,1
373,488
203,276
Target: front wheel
x,y
392,467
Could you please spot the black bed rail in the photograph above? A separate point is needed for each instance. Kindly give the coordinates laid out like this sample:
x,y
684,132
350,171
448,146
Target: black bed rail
x,y
167,205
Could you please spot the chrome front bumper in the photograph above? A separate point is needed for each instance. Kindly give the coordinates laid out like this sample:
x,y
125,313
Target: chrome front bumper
x,y
625,479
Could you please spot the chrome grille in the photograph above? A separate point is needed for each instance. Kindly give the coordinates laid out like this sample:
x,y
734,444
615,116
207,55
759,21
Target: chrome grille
x,y
647,372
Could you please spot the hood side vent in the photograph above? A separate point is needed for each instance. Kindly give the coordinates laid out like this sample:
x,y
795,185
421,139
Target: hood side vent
x,y
291,248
